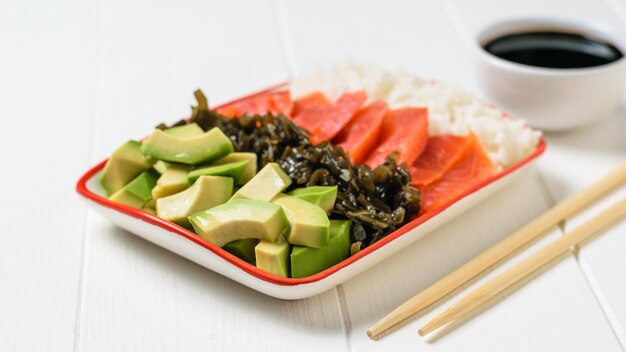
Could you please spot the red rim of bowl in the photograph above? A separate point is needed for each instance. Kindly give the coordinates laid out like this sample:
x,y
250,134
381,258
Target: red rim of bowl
x,y
81,188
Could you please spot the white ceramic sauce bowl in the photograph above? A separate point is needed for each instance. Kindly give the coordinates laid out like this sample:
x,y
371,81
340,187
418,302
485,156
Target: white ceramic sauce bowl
x,y
549,98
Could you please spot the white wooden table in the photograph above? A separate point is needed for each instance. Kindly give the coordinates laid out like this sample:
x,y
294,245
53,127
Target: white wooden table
x,y
79,77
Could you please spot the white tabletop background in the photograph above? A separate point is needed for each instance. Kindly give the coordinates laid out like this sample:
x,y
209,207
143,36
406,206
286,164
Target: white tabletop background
x,y
79,77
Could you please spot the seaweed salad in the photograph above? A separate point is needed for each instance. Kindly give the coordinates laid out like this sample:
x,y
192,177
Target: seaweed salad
x,y
377,201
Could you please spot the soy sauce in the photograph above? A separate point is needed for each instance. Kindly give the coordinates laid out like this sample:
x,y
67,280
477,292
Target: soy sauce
x,y
554,50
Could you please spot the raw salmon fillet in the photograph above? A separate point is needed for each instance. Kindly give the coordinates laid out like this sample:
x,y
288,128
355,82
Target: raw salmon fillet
x,y
324,121
440,154
276,103
470,169
404,131
359,137
315,100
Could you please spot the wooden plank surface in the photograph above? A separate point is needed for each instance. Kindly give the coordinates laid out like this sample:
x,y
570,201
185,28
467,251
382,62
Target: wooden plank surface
x,y
79,78
46,109
135,295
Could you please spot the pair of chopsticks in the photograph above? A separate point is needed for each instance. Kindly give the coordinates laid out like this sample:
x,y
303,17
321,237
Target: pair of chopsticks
x,y
503,249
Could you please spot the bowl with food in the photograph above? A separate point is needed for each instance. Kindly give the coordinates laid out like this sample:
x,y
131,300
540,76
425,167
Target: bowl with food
x,y
295,189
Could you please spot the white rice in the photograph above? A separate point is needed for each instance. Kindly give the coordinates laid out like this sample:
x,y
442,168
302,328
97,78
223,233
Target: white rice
x,y
450,110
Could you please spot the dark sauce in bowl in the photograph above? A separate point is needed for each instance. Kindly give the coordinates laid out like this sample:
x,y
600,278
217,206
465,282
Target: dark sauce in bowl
x,y
554,50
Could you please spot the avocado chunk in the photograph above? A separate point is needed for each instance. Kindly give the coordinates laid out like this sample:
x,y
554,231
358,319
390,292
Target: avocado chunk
x,y
322,196
125,163
185,131
250,170
241,218
234,170
355,247
309,223
173,180
137,192
161,166
306,261
206,193
204,148
273,257
270,181
242,249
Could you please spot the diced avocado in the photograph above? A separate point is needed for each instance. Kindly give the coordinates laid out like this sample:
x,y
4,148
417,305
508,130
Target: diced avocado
x,y
243,249
150,204
355,247
306,261
149,210
125,163
241,218
323,196
234,170
161,166
250,170
185,131
270,181
173,180
273,257
207,147
206,193
137,192
309,223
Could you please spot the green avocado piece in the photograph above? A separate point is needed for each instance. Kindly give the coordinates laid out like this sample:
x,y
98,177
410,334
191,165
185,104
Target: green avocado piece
x,y
265,185
273,257
161,166
173,180
309,223
241,218
234,170
250,170
185,131
306,261
125,163
137,192
151,204
206,193
207,147
355,247
323,196
242,249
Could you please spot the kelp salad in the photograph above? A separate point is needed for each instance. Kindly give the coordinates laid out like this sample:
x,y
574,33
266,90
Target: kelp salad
x,y
378,201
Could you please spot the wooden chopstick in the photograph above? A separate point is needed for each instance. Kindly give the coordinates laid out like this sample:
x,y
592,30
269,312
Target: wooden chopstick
x,y
544,256
499,251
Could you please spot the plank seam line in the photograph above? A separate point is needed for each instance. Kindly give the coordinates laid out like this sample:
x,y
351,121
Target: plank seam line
x,y
99,76
457,22
587,273
282,22
81,284
600,297
345,315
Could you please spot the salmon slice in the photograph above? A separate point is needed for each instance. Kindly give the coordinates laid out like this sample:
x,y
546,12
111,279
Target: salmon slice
x,y
359,137
323,120
341,114
312,101
404,131
471,168
440,154
275,103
